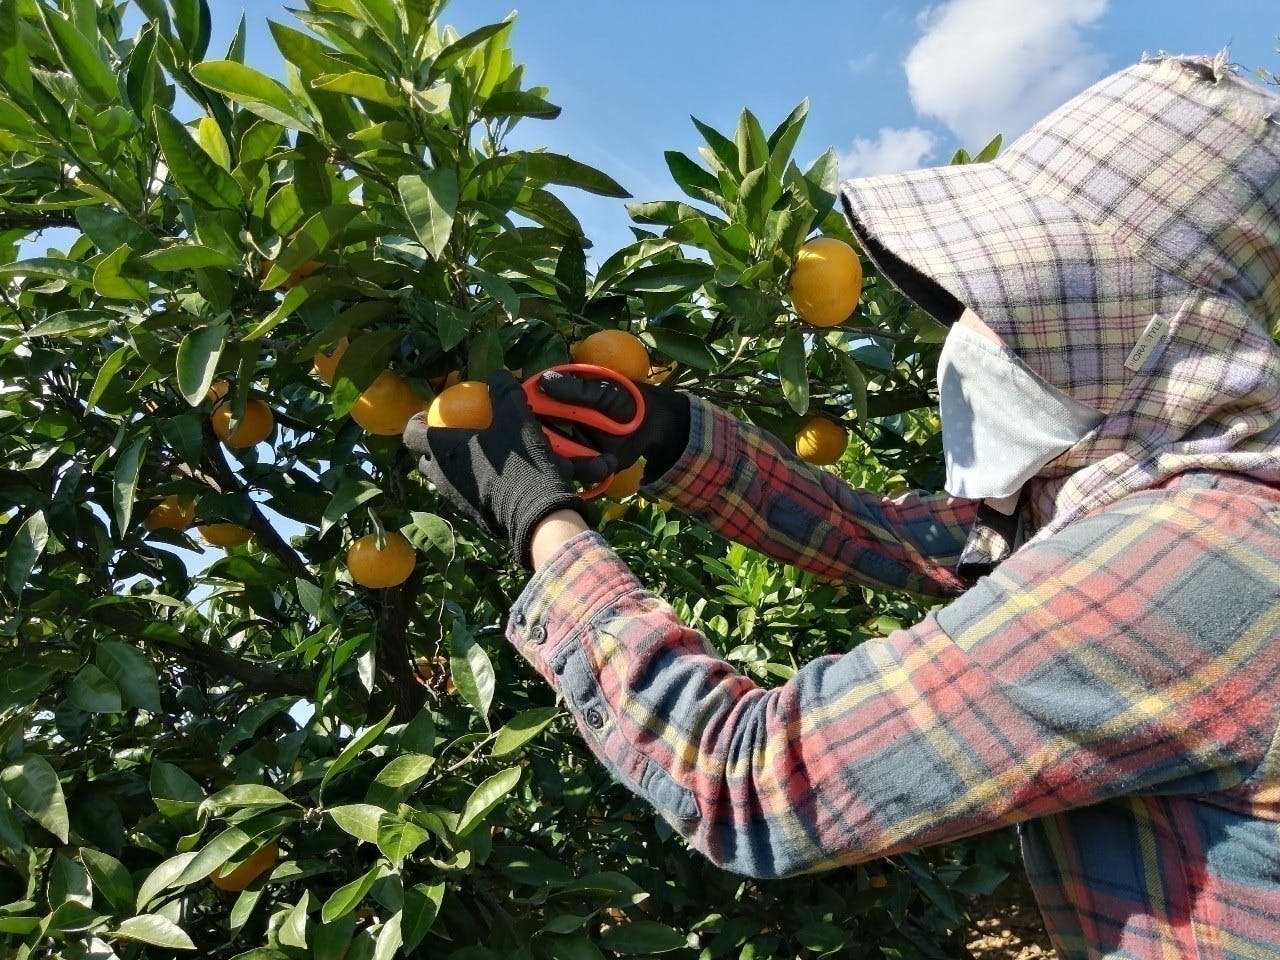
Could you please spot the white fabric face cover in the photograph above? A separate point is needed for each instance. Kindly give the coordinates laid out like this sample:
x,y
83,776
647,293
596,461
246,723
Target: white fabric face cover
x,y
1001,421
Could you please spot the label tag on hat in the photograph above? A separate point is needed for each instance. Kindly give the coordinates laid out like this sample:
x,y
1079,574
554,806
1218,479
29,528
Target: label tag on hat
x,y
1147,343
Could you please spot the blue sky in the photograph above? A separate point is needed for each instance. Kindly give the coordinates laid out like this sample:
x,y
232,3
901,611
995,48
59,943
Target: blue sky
x,y
892,85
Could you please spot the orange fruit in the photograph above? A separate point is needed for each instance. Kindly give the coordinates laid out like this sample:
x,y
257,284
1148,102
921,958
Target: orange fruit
x,y
614,350
625,482
616,511
254,427
465,406
380,569
172,513
254,866
325,365
820,441
219,390
444,383
826,282
224,534
386,406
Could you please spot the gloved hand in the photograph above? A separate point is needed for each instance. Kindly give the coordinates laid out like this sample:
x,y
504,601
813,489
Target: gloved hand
x,y
661,437
504,477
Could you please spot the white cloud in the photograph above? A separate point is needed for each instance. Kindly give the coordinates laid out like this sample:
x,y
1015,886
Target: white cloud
x,y
892,151
984,67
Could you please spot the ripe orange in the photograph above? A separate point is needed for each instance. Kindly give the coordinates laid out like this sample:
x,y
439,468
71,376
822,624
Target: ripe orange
x,y
444,383
615,350
386,406
826,282
465,406
379,569
325,365
257,863
172,513
219,390
254,427
820,441
625,482
224,534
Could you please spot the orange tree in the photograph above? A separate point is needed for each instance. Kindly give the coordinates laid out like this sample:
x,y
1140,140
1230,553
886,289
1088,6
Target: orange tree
x,y
312,740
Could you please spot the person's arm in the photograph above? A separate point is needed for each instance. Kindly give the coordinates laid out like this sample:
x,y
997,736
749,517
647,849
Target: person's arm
x,y
748,486
1112,659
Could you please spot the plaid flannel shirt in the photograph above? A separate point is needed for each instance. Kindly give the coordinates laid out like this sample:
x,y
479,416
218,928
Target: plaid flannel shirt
x,y
1111,688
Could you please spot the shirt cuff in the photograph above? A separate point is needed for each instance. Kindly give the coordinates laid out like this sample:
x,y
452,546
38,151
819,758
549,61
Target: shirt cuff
x,y
581,578
706,464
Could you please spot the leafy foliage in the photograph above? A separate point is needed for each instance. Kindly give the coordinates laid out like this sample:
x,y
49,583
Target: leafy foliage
x,y
170,711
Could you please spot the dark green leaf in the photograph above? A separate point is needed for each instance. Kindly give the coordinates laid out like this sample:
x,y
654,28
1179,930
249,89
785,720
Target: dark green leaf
x,y
471,669
685,347
351,751
197,364
128,467
81,58
641,936
110,877
485,797
557,168
346,898
517,103
793,371
111,280
254,91
93,691
187,256
32,784
153,929
398,838
25,549
421,907
426,531
522,728
431,203
194,171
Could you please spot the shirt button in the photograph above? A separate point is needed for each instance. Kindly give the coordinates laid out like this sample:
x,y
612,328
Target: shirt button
x,y
538,635
595,720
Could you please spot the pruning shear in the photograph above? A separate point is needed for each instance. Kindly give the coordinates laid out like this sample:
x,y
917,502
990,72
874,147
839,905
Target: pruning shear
x,y
556,411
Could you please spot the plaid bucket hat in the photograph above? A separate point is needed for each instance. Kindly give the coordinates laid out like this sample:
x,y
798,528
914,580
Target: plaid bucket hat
x,y
1127,248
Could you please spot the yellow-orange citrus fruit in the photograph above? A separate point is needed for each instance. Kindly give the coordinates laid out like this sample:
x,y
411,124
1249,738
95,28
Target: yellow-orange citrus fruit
x,y
380,569
820,441
253,867
616,511
826,282
465,405
172,513
325,365
254,427
386,406
224,534
625,482
614,350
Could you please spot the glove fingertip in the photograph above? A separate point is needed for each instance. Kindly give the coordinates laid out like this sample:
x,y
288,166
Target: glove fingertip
x,y
415,434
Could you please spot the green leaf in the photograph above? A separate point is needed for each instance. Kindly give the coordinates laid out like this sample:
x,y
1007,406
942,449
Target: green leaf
x,y
191,169
48,268
292,301
174,791
485,797
110,280
990,151
351,493
783,140
421,907
110,877
856,380
292,930
187,256
722,148
93,691
107,372
163,877
153,929
254,91
80,58
674,276
194,25
485,355
426,531
793,371
398,838
198,357
405,770
362,85
557,168
431,203
518,103
471,669
241,795
346,898
692,178
69,322
132,672
128,467
25,549
685,347
360,820
522,728
352,750
642,936
33,785
463,46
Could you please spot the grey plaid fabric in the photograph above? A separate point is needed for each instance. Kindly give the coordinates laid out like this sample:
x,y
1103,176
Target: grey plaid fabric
x,y
1127,247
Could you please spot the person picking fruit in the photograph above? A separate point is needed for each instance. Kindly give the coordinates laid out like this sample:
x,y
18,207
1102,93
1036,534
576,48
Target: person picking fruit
x,y
1104,673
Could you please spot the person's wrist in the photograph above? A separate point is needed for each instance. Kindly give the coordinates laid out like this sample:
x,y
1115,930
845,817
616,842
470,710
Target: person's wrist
x,y
551,533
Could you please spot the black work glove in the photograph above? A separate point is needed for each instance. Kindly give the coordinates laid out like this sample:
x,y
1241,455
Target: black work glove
x,y
504,477
661,437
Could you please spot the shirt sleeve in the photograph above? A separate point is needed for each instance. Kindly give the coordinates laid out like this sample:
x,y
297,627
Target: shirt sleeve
x,y
1115,661
749,487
